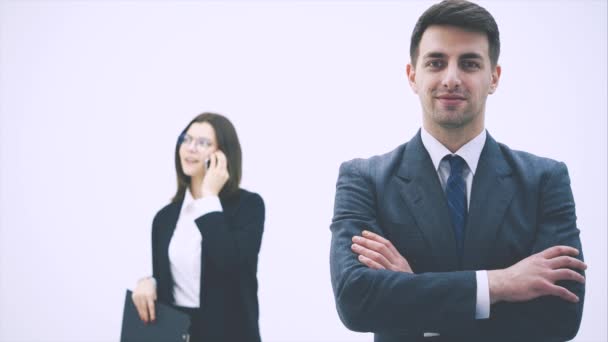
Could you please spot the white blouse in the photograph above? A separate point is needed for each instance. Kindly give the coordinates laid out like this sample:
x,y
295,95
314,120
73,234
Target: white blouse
x,y
185,249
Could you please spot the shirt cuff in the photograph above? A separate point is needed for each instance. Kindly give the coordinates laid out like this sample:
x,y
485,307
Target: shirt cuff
x,y
482,308
206,205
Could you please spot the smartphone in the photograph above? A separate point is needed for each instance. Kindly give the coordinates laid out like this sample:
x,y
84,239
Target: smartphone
x,y
207,163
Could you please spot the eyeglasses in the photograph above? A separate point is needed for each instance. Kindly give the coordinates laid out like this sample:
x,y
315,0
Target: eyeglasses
x,y
186,139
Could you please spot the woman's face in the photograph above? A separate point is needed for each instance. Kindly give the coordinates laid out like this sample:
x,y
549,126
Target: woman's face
x,y
197,145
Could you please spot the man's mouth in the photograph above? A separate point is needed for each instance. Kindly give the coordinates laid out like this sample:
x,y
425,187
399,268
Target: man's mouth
x,y
451,100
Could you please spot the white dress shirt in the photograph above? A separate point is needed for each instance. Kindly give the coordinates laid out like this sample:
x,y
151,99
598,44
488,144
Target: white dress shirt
x,y
185,249
470,152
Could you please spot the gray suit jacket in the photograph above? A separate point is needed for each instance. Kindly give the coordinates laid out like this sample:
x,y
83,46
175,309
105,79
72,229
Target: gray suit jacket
x,y
520,204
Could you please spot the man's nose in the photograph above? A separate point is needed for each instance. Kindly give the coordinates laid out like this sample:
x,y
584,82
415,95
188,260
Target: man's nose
x,y
451,77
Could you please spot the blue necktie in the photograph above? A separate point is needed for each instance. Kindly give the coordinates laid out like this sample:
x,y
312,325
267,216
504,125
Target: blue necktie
x,y
456,194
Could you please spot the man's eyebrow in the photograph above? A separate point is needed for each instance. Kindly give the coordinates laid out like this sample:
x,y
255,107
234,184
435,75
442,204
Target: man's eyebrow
x,y
434,55
471,55
468,55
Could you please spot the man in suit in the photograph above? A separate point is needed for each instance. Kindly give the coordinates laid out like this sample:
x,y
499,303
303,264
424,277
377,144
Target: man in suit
x,y
453,236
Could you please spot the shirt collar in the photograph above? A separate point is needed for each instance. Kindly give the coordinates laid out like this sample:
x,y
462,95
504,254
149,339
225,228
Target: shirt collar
x,y
188,200
470,151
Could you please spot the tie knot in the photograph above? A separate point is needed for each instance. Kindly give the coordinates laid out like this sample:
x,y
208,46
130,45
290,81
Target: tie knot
x,y
456,164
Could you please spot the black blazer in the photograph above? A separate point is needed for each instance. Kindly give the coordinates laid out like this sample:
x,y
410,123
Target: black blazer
x,y
229,258
520,204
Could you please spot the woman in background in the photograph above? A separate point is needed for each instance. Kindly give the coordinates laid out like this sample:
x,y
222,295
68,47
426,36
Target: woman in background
x,y
205,243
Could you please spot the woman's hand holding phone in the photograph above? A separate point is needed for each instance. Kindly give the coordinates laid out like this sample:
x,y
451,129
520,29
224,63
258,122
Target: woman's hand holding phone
x,y
216,174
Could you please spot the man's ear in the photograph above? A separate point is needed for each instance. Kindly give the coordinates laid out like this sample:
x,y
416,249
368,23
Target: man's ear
x,y
495,77
411,77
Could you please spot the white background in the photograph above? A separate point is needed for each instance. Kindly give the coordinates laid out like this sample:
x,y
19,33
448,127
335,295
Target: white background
x,y
94,93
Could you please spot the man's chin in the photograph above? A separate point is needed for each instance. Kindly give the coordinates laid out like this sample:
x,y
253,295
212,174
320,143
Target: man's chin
x,y
452,120
452,124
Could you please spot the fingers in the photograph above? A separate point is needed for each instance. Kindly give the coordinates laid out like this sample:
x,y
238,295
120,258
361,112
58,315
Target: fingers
x,y
151,308
143,297
371,255
567,274
370,263
537,275
212,161
218,161
567,262
374,236
562,293
141,306
221,159
556,251
374,246
380,239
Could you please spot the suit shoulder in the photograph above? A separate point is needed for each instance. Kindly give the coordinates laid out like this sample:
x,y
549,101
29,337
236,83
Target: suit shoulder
x,y
372,164
164,211
244,197
247,195
531,164
527,158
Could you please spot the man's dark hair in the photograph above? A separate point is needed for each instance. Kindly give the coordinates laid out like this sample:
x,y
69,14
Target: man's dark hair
x,y
459,13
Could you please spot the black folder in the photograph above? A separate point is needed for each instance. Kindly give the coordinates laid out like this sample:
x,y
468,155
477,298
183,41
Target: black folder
x,y
171,324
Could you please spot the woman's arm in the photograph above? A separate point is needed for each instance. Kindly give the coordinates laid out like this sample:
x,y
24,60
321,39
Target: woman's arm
x,y
233,242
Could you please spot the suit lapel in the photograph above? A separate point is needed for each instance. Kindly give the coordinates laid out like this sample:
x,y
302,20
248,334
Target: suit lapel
x,y
421,191
164,229
168,225
491,192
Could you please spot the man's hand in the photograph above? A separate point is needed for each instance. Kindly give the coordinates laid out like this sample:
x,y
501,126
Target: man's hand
x,y
378,253
535,276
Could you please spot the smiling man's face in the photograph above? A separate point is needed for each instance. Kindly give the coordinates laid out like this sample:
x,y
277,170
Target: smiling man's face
x,y
453,77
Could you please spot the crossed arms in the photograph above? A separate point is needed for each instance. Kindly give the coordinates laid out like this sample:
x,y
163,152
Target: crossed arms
x,y
376,290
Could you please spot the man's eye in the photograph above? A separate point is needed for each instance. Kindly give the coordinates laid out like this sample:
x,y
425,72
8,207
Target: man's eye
x,y
470,65
434,64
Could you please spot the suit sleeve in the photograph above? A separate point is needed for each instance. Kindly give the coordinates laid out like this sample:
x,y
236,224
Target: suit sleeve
x,y
383,301
548,318
231,244
155,249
